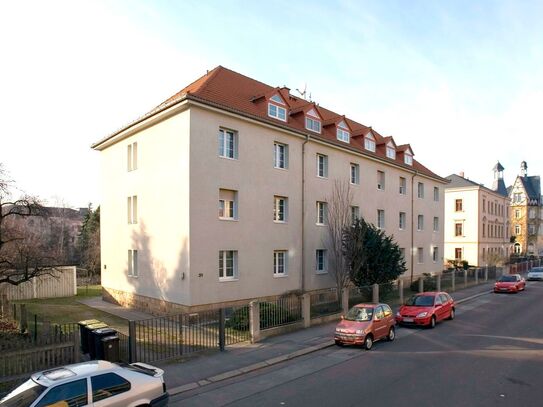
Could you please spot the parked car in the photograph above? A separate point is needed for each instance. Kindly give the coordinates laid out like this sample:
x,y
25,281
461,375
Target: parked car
x,y
536,273
510,283
364,324
426,309
96,383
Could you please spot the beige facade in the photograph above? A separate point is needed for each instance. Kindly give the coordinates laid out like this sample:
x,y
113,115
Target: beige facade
x,y
476,223
210,230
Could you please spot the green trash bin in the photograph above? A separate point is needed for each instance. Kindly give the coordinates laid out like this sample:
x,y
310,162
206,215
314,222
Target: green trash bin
x,y
84,333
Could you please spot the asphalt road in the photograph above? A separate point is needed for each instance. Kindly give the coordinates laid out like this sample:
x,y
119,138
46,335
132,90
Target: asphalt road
x,y
490,355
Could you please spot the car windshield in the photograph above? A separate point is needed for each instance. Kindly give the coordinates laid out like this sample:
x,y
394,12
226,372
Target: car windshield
x,y
421,301
537,270
507,279
24,395
359,314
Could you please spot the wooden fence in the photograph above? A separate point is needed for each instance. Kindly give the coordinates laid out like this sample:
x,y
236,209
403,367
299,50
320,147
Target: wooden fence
x,y
62,283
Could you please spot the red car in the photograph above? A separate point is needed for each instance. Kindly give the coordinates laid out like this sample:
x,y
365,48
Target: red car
x,y
426,309
365,324
511,283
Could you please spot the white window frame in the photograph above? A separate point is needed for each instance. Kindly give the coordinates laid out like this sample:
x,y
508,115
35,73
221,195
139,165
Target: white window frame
x,y
280,263
277,112
381,180
420,223
420,255
321,267
408,159
223,271
132,209
461,234
380,218
280,209
228,146
322,213
280,155
369,144
403,188
355,213
436,224
402,221
313,124
322,165
343,135
436,194
518,230
391,152
355,174
228,207
132,156
132,263
420,190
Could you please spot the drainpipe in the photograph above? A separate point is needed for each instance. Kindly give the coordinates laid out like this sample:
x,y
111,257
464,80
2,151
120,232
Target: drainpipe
x,y
412,222
302,282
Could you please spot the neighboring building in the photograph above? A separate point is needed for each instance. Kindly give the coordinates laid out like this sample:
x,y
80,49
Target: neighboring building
x,y
526,212
476,220
220,195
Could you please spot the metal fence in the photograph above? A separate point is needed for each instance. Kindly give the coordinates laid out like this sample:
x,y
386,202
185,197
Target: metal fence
x,y
282,311
325,303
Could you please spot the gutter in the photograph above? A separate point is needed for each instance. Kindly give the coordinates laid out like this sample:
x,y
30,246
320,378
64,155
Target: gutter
x,y
412,223
302,283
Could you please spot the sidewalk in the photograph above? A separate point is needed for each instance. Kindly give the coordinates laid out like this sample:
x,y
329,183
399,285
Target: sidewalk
x,y
201,370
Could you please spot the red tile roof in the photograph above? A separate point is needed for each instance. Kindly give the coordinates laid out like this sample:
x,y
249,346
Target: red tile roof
x,y
224,88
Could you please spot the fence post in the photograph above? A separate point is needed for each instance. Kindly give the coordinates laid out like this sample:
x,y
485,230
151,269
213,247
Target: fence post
x,y
131,341
421,284
486,273
476,276
345,300
438,282
306,309
77,354
465,278
5,305
254,321
24,318
222,329
375,293
400,288
453,285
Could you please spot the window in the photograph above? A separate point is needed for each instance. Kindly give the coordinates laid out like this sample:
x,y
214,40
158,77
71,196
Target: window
x,y
531,249
436,194
408,159
343,135
321,261
402,220
420,222
322,166
276,111
279,263
108,385
484,254
280,155
420,190
391,152
280,209
403,186
517,197
355,174
484,205
355,213
381,180
436,224
133,263
458,229
435,251
322,213
458,253
420,255
228,264
517,230
402,252
132,157
531,213
313,124
228,144
369,144
132,209
531,229
73,394
517,248
228,204
517,214
380,218
458,205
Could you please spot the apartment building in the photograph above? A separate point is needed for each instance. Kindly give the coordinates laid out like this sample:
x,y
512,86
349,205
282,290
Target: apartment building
x,y
220,195
526,213
476,220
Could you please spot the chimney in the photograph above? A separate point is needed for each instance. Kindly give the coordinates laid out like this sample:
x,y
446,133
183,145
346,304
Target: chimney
x,y
461,173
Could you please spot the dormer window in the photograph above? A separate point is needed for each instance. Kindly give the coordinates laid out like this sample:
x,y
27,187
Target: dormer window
x,y
408,159
312,121
369,143
343,132
276,111
391,152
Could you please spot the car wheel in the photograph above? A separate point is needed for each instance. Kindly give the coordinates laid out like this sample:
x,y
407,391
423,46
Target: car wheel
x,y
451,316
339,343
391,334
432,322
368,342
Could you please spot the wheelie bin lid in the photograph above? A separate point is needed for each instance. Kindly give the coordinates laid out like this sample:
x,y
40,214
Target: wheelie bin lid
x,y
86,322
104,330
98,325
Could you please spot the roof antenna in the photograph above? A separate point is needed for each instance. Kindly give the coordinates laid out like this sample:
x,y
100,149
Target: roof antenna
x,y
302,94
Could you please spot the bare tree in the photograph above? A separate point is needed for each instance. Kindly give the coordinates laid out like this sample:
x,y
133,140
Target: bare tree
x,y
22,253
339,217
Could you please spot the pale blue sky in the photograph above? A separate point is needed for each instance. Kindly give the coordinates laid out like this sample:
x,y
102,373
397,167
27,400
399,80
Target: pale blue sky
x,y
461,81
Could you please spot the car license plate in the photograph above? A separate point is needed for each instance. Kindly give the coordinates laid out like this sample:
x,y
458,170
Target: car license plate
x,y
503,289
408,320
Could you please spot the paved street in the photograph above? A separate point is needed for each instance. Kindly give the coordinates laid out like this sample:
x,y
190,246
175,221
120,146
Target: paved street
x,y
490,355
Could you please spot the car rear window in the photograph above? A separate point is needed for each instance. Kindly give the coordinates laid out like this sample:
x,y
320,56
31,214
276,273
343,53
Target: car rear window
x,y
507,279
24,395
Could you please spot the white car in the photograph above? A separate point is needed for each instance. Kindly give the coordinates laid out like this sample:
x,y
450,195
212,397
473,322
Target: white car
x,y
94,384
536,273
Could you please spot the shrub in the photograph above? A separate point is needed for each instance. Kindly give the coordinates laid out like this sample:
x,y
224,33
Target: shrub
x,y
270,315
429,283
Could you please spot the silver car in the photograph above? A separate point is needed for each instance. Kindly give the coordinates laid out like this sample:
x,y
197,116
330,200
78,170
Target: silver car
x,y
536,273
96,383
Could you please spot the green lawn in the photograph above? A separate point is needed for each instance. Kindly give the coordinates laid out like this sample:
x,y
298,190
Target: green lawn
x,y
68,309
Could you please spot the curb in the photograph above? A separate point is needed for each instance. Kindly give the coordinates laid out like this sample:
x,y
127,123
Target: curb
x,y
247,369
473,296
